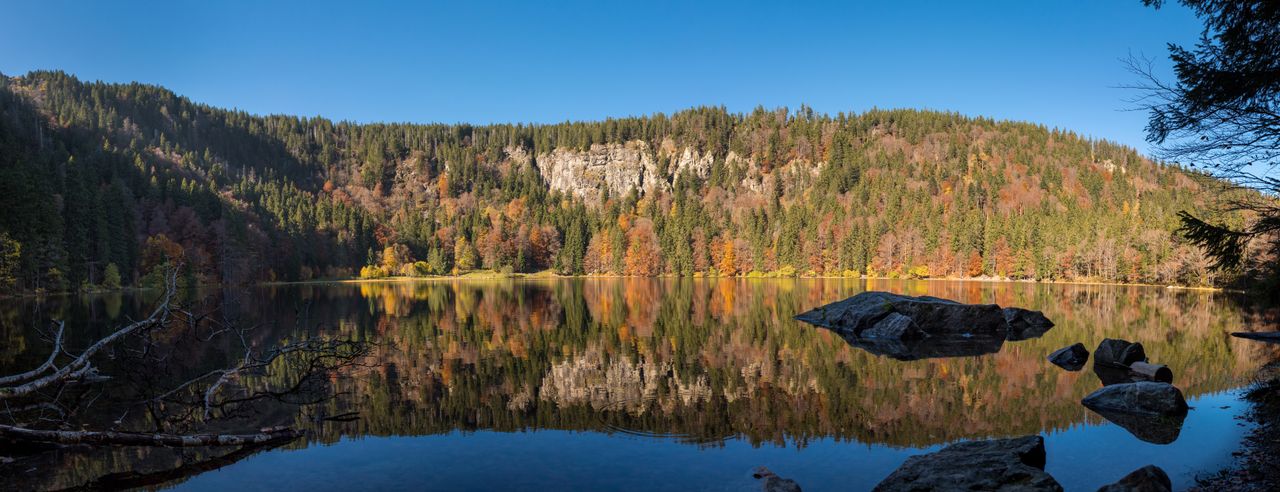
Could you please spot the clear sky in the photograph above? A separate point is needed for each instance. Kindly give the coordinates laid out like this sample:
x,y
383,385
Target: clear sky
x,y
1055,62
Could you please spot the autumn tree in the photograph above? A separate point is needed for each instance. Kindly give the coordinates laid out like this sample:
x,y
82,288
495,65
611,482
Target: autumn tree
x,y
728,265
464,255
642,250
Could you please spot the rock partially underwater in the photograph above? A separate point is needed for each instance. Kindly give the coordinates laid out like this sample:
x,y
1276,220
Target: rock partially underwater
x,y
1151,411
909,328
998,464
1149,478
1070,358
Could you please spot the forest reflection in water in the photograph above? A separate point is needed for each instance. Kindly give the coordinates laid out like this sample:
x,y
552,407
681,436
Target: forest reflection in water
x,y
696,360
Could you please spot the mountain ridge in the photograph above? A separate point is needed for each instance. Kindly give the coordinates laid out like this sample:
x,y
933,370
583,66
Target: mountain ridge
x,y
276,197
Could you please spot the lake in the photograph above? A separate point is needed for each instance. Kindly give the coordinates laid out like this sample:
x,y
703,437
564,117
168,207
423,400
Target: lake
x,y
675,384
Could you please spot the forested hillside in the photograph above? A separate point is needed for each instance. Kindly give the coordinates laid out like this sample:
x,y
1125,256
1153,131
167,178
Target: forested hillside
x,y
100,183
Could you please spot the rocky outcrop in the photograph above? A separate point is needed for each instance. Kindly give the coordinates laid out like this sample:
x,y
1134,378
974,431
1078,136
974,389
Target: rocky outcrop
x,y
998,464
618,168
882,315
1149,478
1070,358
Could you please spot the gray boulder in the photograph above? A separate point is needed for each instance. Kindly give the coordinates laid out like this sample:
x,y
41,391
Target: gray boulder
x,y
885,315
1025,324
1118,354
893,326
1070,358
1143,398
997,464
1149,478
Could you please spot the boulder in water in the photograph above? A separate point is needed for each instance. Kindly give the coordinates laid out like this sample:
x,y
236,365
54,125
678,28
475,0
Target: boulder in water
x,y
997,464
1140,398
1070,358
885,315
1149,478
774,483
1118,354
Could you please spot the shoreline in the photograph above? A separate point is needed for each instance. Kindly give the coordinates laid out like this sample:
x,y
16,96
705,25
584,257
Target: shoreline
x,y
491,275
548,275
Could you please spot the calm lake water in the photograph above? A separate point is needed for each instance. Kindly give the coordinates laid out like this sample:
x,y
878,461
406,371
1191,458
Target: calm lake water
x,y
640,384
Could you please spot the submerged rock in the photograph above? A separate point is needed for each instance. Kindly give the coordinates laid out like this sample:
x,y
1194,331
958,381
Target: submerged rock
x,y
1026,324
885,315
1149,478
1118,354
1070,358
774,483
997,464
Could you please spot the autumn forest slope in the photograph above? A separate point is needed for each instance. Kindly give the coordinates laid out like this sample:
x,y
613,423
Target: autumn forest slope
x,y
102,183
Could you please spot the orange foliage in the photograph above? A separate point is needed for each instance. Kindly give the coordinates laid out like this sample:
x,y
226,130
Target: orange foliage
x,y
643,257
728,261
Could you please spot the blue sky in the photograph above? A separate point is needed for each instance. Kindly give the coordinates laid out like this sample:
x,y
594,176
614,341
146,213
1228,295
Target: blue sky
x,y
1052,62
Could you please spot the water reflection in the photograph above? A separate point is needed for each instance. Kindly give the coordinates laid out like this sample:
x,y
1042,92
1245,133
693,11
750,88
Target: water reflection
x,y
698,360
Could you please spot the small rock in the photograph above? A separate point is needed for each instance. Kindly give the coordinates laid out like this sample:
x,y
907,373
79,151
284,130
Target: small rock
x,y
1149,478
1070,358
774,483
997,464
1118,353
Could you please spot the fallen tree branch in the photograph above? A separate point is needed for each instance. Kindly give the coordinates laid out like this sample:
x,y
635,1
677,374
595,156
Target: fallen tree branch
x,y
48,363
82,365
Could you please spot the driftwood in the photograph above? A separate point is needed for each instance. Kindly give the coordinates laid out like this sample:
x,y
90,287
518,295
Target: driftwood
x,y
1152,372
82,366
1263,336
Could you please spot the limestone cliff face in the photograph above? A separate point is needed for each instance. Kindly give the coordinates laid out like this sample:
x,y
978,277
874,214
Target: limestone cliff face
x,y
618,168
